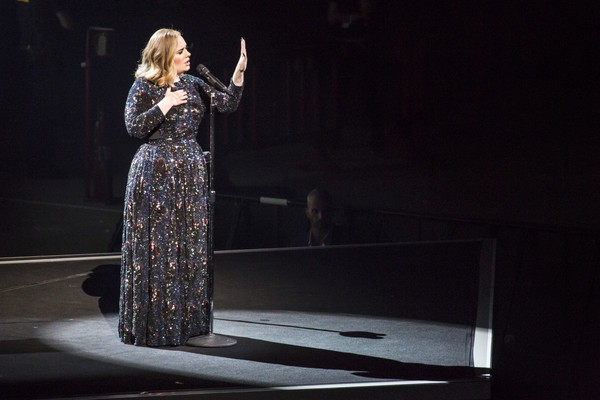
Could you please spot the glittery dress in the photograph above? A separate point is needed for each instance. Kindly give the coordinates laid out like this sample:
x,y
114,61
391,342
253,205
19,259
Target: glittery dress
x,y
163,299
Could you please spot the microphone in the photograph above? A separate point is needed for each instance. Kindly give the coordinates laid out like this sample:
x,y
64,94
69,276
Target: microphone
x,y
211,79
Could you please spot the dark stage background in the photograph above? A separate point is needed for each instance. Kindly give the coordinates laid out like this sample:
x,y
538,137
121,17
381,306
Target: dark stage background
x,y
434,120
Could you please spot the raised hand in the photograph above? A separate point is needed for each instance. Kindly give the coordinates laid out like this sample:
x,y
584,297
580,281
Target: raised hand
x,y
243,61
238,75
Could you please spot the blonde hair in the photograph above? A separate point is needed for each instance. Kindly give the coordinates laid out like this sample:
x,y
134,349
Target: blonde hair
x,y
157,58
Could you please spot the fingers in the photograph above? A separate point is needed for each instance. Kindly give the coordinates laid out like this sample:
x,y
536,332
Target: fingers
x,y
241,67
177,96
181,96
243,47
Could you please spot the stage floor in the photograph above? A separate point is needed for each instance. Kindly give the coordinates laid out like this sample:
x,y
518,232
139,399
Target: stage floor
x,y
59,339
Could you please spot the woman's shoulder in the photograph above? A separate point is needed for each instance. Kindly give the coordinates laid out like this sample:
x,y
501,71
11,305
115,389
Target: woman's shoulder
x,y
141,81
191,79
142,86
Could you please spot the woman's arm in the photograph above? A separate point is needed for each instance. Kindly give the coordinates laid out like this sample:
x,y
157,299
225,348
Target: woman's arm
x,y
141,115
229,102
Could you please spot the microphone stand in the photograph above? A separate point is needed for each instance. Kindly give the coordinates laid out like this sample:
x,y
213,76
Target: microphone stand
x,y
211,339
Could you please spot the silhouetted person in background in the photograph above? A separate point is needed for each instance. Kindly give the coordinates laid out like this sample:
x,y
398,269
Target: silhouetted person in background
x,y
322,230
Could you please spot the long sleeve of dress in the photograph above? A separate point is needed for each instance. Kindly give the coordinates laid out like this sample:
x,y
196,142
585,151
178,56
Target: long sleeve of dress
x,y
225,103
142,115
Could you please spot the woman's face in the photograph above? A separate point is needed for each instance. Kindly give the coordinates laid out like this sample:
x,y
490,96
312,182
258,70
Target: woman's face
x,y
182,56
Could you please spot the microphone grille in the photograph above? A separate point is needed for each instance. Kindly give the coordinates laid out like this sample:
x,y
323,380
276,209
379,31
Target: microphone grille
x,y
202,70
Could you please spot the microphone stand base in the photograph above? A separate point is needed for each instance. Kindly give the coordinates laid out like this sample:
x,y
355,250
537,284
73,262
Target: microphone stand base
x,y
211,340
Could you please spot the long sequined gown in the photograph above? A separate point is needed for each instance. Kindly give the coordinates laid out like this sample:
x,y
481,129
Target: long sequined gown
x,y
163,298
